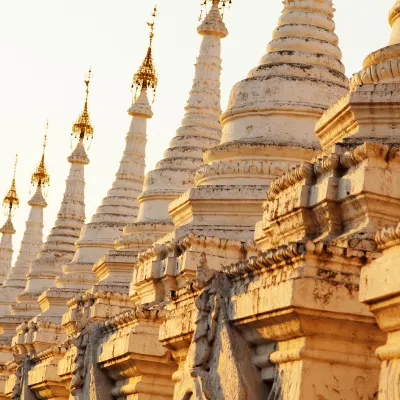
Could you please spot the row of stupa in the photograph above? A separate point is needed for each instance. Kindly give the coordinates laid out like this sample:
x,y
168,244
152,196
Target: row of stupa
x,y
258,260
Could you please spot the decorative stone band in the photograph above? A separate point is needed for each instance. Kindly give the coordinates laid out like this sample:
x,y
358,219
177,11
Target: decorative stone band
x,y
142,235
323,7
388,237
382,66
181,245
285,256
246,168
289,254
296,175
81,308
327,164
269,259
148,312
49,353
387,71
89,298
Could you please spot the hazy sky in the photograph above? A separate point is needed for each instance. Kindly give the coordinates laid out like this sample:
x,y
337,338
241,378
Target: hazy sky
x,y
47,46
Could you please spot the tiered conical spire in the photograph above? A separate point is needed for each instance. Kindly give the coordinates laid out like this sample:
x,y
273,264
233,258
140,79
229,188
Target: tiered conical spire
x,y
119,207
269,125
200,129
59,247
32,239
10,204
300,76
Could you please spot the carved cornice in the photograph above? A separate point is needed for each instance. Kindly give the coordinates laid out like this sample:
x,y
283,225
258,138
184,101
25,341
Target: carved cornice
x,y
327,164
387,71
266,260
267,169
142,312
51,352
388,237
288,254
296,175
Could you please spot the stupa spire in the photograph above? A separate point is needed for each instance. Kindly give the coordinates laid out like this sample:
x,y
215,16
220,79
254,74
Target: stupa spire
x,y
11,201
200,129
10,204
31,243
59,247
119,207
41,178
269,125
146,76
82,128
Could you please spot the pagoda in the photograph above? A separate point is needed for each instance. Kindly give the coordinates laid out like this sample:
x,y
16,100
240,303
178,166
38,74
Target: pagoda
x,y
59,247
10,204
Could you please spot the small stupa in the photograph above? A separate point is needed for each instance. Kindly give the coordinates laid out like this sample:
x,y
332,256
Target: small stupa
x,y
200,130
59,247
268,127
119,208
10,204
32,240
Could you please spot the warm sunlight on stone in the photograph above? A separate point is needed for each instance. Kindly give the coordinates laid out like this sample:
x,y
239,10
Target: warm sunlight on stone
x,y
257,260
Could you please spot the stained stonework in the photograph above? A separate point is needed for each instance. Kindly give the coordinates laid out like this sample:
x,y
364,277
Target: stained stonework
x,y
200,130
118,208
274,276
59,247
268,127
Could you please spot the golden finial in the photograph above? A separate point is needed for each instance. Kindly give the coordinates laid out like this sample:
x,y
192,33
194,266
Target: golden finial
x,y
11,200
82,128
41,177
146,76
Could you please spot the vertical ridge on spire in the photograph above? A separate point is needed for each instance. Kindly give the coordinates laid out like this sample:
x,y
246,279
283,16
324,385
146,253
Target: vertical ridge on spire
x,y
200,129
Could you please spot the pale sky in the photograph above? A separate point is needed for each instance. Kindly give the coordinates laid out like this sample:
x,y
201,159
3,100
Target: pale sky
x,y
48,45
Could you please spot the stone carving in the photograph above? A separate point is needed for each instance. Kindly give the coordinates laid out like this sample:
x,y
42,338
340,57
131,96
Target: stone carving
x,y
276,389
388,236
17,391
80,367
214,335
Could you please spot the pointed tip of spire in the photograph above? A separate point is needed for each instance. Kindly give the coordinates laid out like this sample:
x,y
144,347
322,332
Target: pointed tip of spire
x,y
40,177
213,22
11,200
82,128
146,76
